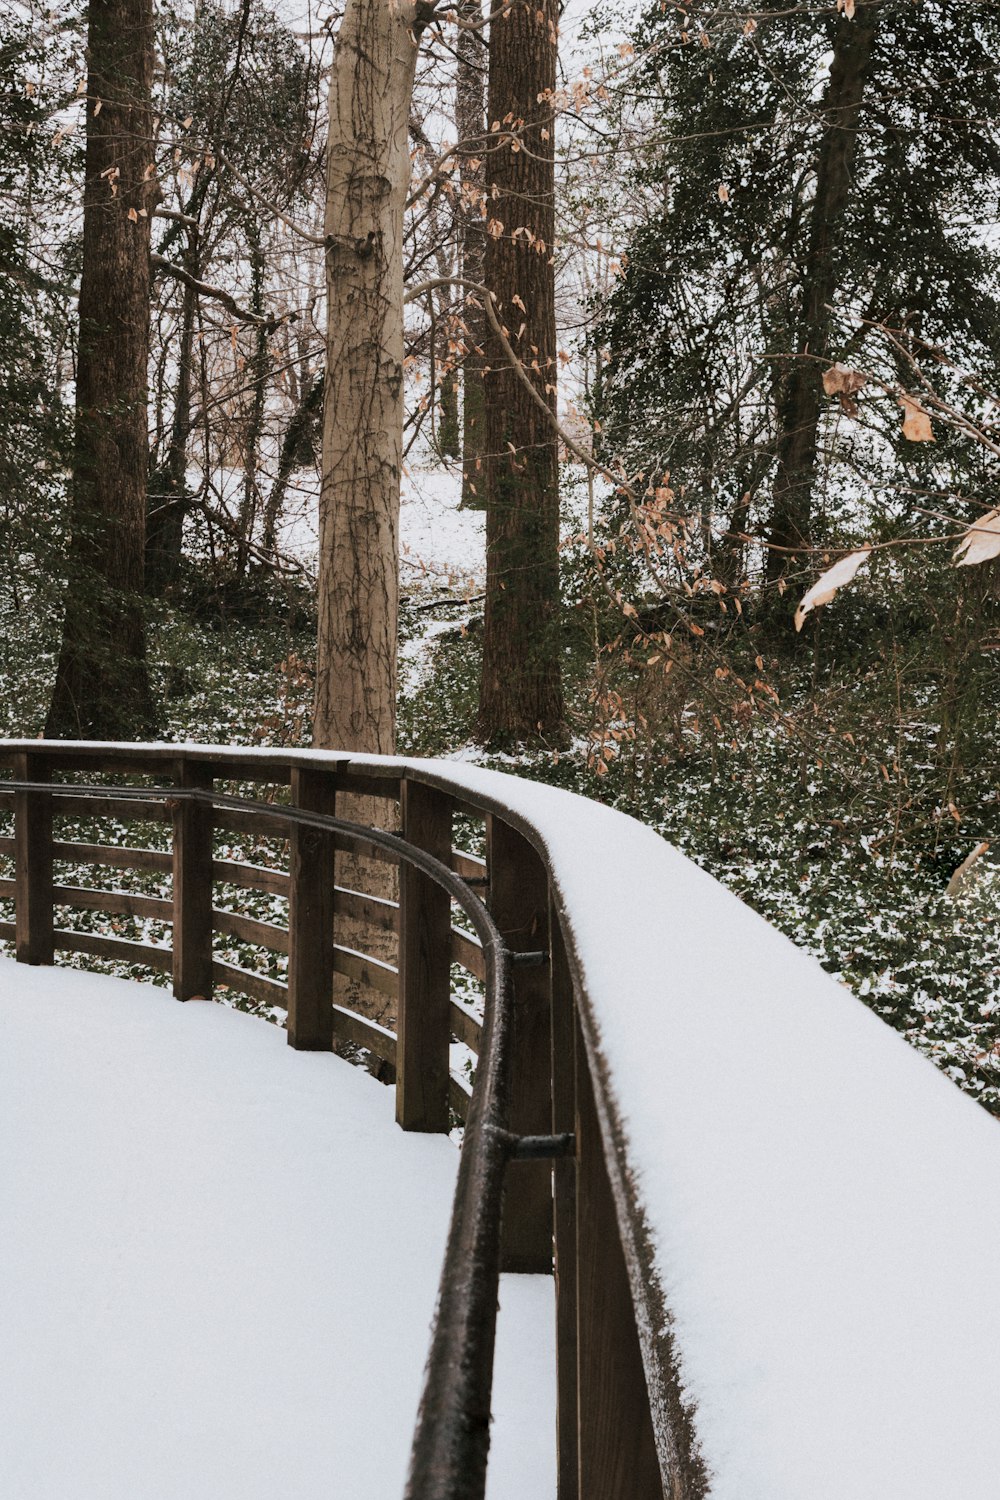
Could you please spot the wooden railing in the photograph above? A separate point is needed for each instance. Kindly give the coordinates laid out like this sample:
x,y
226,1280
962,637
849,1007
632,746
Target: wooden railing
x,y
566,1211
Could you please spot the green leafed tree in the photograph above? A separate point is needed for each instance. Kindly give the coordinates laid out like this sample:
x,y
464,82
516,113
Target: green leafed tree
x,y
35,283
807,176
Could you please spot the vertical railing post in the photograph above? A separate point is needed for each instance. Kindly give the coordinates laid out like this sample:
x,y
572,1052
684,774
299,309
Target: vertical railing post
x,y
564,1225
617,1450
311,915
34,941
192,886
519,902
423,1029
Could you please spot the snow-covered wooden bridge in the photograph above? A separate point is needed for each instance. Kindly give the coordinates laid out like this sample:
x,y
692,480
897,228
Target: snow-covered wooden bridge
x,y
773,1226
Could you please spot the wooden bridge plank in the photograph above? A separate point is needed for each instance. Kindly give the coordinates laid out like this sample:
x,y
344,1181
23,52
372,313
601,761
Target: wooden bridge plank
x,y
565,1209
102,945
249,930
519,903
423,1010
311,917
192,937
122,903
246,982
250,877
465,1026
125,809
468,953
617,1450
117,857
33,919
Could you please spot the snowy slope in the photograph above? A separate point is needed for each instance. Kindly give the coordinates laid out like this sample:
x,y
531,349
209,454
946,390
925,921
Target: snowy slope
x,y
219,1262
440,544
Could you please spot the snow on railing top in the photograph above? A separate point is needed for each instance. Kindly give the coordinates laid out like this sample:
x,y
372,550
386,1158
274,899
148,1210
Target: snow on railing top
x,y
824,1204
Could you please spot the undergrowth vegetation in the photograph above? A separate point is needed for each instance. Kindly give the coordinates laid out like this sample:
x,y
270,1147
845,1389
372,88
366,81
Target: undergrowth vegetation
x,y
835,782
827,780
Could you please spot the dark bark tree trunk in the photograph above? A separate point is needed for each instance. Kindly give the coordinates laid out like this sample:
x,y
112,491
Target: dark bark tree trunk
x,y
448,441
801,400
470,126
295,452
521,691
102,686
168,501
254,427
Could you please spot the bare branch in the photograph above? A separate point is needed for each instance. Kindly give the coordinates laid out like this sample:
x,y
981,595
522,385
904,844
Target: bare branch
x,y
286,219
205,289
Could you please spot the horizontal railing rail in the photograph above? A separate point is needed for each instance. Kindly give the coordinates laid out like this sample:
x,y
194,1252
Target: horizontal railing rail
x,y
536,1173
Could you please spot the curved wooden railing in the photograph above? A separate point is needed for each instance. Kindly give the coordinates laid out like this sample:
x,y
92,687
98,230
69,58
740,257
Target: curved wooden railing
x,y
539,1122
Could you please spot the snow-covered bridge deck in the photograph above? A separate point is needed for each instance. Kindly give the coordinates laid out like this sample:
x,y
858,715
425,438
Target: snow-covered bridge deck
x,y
775,1238
219,1262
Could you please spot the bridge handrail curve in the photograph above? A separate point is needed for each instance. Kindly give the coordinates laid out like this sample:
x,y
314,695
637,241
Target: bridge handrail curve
x,y
450,1446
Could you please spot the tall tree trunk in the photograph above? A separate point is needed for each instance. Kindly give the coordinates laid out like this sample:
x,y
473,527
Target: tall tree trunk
x,y
449,445
254,429
444,373
521,691
470,126
296,451
801,402
102,685
368,173
165,532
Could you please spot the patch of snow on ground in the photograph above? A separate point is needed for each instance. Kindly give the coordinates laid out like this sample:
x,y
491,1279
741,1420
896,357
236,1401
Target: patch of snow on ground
x,y
220,1262
440,542
441,546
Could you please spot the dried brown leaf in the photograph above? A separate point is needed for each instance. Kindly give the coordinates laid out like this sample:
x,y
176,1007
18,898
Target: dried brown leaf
x,y
981,543
841,380
916,422
960,877
828,582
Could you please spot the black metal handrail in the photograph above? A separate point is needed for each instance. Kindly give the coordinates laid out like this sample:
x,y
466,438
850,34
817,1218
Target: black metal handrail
x,y
451,1441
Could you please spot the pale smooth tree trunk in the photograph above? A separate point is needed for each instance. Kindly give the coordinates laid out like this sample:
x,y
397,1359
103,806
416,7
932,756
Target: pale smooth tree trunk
x,y
368,179
368,175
